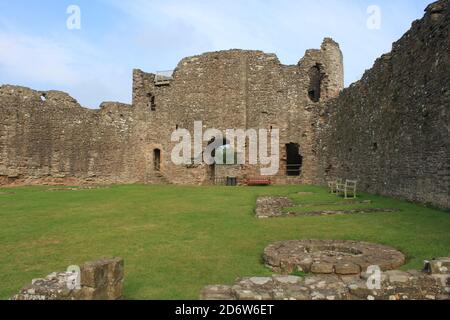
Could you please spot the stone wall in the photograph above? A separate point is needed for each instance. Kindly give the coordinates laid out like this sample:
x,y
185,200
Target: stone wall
x,y
234,89
391,130
395,285
47,137
100,280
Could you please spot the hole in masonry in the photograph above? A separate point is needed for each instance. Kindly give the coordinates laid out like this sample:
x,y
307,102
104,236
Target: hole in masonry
x,y
375,146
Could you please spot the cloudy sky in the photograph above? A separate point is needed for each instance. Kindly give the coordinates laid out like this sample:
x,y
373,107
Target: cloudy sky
x,y
94,63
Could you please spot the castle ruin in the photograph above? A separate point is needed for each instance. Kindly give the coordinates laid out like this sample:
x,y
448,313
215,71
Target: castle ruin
x,y
390,130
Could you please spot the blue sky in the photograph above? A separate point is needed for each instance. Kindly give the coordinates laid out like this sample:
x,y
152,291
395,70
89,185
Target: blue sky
x,y
95,63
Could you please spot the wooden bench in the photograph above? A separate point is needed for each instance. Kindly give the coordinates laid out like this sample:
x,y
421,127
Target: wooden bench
x,y
333,185
347,189
258,182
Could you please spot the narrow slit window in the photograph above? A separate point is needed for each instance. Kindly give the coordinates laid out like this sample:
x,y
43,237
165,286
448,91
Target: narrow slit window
x,y
157,159
152,103
315,83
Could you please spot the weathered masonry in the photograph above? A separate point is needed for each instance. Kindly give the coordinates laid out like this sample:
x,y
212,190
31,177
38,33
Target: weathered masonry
x,y
390,130
49,137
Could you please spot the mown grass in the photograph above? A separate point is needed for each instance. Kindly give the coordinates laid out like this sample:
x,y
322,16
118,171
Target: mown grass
x,y
177,239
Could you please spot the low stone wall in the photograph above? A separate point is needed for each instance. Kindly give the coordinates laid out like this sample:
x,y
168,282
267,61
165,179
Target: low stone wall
x,y
395,285
273,207
100,280
330,257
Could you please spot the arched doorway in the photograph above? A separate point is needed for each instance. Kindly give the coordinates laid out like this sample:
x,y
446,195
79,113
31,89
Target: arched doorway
x,y
157,159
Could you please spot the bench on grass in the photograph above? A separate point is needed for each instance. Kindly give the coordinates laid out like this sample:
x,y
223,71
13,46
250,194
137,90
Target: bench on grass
x,y
347,189
333,185
258,182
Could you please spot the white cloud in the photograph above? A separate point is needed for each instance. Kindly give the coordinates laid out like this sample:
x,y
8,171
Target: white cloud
x,y
68,64
156,34
285,27
36,59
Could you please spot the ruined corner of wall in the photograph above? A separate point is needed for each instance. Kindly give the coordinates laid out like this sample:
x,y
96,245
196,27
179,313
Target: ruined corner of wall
x,y
99,280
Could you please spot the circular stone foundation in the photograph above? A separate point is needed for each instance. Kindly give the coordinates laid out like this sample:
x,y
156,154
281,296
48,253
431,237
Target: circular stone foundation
x,y
330,257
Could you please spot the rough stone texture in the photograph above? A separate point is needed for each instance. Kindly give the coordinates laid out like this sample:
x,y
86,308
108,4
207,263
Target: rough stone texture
x,y
56,141
395,285
330,257
270,207
440,266
390,130
100,280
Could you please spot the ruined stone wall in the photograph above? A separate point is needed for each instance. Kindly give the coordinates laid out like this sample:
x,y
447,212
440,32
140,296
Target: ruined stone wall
x,y
391,130
102,279
234,89
47,137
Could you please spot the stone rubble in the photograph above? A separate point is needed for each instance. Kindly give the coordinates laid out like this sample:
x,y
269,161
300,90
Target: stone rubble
x,y
100,280
269,207
330,256
395,285
273,207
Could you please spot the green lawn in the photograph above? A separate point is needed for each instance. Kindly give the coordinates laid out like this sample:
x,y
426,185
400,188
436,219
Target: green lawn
x,y
175,240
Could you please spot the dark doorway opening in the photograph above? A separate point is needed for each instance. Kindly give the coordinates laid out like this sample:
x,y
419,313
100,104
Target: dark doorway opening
x,y
157,159
315,83
294,160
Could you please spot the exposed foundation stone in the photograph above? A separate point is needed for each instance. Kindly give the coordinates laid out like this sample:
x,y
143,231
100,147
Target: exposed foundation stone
x,y
330,257
394,285
100,280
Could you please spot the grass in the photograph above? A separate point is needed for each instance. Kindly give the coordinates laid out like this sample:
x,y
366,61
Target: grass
x,y
175,240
